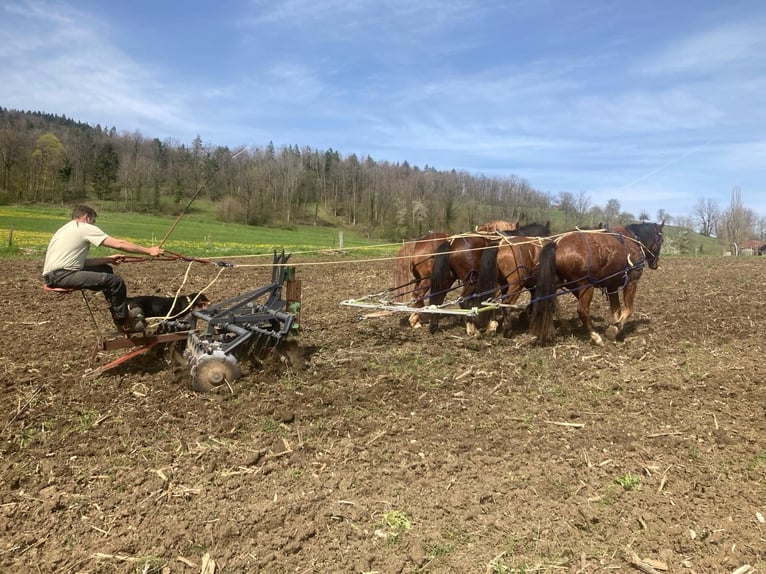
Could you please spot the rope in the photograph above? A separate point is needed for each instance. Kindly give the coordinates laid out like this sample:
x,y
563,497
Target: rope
x,y
190,305
172,256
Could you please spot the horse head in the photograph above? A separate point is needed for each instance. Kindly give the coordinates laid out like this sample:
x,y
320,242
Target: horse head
x,y
650,236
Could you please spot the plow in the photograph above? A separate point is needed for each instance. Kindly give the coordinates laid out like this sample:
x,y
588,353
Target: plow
x,y
213,340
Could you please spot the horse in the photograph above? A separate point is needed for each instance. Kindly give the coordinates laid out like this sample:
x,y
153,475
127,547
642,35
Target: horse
x,y
509,267
579,261
532,230
416,259
497,226
508,228
458,259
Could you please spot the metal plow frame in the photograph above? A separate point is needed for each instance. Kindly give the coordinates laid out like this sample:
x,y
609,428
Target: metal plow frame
x,y
241,325
405,308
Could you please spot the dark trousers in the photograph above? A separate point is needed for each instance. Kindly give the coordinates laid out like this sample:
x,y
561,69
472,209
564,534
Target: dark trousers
x,y
95,278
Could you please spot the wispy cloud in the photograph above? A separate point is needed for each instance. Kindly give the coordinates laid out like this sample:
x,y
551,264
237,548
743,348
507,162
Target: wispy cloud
x,y
734,45
72,67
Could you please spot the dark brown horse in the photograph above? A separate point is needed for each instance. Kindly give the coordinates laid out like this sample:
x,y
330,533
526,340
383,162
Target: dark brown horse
x,y
459,259
579,261
532,230
509,268
413,267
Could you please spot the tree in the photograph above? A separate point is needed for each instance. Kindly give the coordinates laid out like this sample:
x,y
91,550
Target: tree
x,y
738,222
612,211
566,203
707,216
762,228
105,170
582,205
48,157
12,152
663,216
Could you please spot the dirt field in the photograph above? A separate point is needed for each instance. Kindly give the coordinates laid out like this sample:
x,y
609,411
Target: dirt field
x,y
392,450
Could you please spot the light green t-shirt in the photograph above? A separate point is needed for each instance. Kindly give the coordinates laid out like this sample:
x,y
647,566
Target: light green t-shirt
x,y
69,246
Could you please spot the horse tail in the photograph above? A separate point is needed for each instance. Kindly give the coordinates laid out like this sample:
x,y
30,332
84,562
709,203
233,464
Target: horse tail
x,y
402,276
545,303
441,277
487,282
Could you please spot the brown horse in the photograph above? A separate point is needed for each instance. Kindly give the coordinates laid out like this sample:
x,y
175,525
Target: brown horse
x,y
416,260
458,259
579,261
509,268
508,228
497,226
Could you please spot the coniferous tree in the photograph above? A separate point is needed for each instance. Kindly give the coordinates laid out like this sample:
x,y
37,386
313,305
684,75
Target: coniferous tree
x,y
105,170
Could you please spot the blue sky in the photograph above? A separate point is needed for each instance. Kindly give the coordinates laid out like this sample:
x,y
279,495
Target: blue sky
x,y
654,103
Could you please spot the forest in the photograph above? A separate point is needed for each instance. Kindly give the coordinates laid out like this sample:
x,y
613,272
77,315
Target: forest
x,y
52,159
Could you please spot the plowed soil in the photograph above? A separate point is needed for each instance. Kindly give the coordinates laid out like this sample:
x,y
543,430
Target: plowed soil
x,y
387,449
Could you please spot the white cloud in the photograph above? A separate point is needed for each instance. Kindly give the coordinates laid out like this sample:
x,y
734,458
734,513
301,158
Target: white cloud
x,y
710,51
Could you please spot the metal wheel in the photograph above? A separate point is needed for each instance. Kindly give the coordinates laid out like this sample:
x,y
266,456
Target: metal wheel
x,y
210,374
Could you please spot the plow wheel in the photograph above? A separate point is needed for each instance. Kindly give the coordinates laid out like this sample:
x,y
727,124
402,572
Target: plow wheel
x,y
212,373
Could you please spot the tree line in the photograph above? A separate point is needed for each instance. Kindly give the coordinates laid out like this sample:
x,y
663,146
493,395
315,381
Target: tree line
x,y
47,158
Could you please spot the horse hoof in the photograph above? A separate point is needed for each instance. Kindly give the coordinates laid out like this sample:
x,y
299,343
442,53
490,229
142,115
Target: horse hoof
x,y
596,338
611,332
414,321
492,328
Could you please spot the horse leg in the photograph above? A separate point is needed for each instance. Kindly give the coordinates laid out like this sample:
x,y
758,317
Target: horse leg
x,y
495,323
421,289
628,295
470,322
584,298
613,330
513,290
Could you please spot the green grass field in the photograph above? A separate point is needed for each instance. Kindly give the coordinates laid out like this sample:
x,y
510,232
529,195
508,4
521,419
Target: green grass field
x,y
25,232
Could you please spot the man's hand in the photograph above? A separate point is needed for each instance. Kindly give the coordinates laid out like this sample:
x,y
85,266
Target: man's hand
x,y
156,251
116,259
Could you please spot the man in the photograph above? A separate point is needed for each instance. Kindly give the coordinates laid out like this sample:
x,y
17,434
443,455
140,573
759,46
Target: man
x,y
67,264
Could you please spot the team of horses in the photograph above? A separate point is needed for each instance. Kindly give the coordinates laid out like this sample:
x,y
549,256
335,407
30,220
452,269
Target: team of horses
x,y
494,265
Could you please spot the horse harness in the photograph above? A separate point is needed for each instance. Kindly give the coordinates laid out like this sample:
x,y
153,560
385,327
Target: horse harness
x,y
598,282
473,273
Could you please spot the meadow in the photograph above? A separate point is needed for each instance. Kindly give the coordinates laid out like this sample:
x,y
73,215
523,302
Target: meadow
x,y
25,232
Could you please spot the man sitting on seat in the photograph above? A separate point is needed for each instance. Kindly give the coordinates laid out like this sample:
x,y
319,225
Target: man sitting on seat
x,y
67,264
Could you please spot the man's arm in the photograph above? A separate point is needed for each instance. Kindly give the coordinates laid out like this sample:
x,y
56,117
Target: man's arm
x,y
124,245
115,259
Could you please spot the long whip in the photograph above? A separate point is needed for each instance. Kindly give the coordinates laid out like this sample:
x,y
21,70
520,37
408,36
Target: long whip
x,y
199,190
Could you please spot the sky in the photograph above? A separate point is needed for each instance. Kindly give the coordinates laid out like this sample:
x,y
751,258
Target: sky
x,y
657,104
